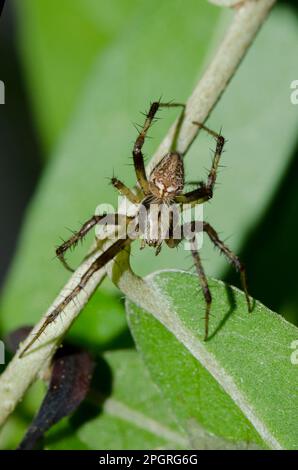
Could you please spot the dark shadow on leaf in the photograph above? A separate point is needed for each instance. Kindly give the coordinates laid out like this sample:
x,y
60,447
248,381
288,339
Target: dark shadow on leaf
x,y
232,302
123,340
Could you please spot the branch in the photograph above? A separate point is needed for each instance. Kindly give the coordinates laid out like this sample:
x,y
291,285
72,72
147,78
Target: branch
x,y
249,17
20,373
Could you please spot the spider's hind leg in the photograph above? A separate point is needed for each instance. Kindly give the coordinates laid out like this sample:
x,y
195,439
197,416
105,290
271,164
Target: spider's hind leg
x,y
204,284
235,261
172,243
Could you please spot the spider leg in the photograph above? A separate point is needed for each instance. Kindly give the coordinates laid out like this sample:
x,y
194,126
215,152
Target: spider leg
x,y
205,191
173,147
72,241
138,157
220,142
171,242
80,234
203,282
198,196
99,263
125,191
238,265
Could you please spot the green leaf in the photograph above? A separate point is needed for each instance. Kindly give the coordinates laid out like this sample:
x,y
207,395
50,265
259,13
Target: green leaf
x,y
133,416
59,42
240,384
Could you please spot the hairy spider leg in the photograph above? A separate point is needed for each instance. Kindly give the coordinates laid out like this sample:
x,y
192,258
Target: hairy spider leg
x,y
231,257
138,156
73,240
121,187
80,234
203,282
173,148
172,243
99,263
205,191
234,259
125,191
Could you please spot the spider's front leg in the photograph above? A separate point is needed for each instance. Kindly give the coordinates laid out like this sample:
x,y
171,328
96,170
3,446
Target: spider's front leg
x,y
138,157
205,191
220,142
80,234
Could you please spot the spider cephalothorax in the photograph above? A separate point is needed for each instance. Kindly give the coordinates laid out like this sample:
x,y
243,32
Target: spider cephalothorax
x,y
159,194
167,179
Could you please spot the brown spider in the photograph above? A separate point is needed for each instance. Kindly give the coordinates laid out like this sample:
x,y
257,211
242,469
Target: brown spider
x,y
163,188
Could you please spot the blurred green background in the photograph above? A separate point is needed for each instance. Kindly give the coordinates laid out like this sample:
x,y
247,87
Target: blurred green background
x,y
77,74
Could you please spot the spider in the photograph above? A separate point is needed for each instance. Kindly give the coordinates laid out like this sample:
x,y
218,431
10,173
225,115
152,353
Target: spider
x,y
163,188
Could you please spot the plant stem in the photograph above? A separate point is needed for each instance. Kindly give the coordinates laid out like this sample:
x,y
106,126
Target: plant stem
x,y
246,23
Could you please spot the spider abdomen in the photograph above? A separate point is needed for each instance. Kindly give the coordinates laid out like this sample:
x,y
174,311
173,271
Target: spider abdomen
x,y
155,222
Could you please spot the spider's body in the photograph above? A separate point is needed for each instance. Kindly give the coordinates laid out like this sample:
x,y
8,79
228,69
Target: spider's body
x,y
155,218
157,199
167,179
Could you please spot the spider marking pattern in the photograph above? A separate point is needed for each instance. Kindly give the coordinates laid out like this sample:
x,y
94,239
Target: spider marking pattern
x,y
162,188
